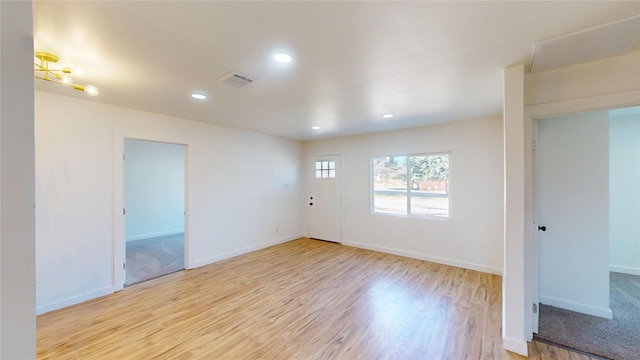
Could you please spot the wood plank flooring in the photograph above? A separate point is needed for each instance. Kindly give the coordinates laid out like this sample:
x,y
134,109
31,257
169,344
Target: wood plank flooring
x,y
305,299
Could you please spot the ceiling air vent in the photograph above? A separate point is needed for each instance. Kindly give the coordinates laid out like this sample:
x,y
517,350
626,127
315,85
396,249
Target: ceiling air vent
x,y
236,80
588,45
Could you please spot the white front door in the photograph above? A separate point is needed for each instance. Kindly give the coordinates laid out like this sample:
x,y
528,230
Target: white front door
x,y
573,208
324,205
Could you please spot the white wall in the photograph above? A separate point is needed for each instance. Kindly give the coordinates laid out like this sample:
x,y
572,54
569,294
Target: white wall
x,y
17,238
624,192
472,238
241,186
154,175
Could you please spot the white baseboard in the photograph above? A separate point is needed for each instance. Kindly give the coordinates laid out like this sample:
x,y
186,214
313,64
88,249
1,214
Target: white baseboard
x,y
577,307
624,270
41,309
517,346
230,254
155,234
435,259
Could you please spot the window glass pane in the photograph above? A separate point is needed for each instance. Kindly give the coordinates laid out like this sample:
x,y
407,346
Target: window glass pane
x,y
318,174
332,173
332,165
318,165
389,175
430,185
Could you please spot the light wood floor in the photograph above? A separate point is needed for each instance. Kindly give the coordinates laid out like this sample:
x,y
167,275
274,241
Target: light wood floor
x,y
304,299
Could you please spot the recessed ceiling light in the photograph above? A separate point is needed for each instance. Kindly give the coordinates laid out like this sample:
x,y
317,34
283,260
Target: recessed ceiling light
x,y
387,116
282,58
198,96
315,127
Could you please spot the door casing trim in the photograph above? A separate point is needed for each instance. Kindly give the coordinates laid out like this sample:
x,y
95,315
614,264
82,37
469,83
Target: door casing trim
x,y
531,114
118,244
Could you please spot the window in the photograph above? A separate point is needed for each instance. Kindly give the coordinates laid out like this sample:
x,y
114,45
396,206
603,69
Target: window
x,y
416,185
325,169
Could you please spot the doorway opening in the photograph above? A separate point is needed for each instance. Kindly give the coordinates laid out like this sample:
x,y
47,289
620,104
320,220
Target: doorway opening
x,y
588,203
154,209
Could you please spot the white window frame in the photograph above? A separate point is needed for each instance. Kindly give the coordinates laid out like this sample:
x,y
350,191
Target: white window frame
x,y
408,189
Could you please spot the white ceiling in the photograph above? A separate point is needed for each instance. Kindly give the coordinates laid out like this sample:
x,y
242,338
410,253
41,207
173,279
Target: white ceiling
x,y
425,62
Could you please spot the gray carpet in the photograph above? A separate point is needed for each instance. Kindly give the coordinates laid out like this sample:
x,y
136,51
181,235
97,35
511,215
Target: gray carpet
x,y
612,339
150,258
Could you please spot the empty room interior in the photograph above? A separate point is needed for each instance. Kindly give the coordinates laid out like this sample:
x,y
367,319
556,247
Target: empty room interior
x,y
319,180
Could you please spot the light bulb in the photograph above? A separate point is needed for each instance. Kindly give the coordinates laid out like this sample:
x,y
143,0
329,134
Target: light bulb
x,y
91,90
282,58
66,80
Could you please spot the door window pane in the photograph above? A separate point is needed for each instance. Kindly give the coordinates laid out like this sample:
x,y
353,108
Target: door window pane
x,y
325,169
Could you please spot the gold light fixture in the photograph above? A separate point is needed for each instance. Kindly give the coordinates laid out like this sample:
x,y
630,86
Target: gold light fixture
x,y
58,76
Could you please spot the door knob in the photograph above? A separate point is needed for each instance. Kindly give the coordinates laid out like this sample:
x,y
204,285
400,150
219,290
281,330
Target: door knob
x,y
542,228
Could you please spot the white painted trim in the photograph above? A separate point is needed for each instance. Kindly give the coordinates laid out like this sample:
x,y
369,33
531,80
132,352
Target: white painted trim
x,y
624,270
588,104
155,234
119,249
230,254
434,259
577,307
516,346
76,299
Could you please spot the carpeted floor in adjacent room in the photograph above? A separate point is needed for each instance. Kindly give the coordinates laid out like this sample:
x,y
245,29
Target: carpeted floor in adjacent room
x,y
613,339
153,257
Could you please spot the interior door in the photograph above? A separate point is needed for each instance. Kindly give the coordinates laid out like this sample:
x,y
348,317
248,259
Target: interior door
x,y
324,203
573,212
533,248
